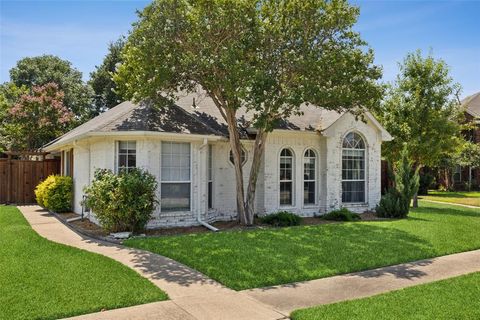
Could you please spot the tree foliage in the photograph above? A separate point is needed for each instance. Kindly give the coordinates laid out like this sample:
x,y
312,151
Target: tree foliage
x,y
9,94
40,70
36,118
266,56
421,109
396,203
123,202
101,80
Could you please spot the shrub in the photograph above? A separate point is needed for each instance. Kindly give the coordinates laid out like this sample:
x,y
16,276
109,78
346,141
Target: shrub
x,y
55,193
396,203
426,181
282,219
392,205
122,202
342,214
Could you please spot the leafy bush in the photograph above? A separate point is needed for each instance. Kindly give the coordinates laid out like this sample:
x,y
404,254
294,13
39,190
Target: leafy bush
x,y
342,214
282,219
122,202
392,205
55,193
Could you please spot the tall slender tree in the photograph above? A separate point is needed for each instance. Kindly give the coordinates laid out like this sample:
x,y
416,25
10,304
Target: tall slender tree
x,y
267,56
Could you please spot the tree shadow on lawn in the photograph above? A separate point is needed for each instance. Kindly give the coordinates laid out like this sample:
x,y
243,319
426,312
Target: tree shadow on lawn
x,y
243,260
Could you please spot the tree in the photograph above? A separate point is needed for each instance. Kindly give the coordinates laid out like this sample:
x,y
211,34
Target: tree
x,y
37,118
40,70
9,94
421,110
101,81
269,57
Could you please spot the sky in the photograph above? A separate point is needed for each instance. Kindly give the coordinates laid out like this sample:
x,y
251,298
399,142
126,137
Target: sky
x,y
79,31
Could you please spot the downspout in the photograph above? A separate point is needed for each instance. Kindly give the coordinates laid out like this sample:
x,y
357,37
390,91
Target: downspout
x,y
199,216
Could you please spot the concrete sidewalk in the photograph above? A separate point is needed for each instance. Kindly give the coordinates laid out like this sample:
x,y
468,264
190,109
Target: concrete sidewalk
x,y
195,296
289,297
192,294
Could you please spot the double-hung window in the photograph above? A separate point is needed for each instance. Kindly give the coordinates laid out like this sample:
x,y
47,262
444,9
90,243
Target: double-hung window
x,y
126,155
309,177
286,177
353,169
175,176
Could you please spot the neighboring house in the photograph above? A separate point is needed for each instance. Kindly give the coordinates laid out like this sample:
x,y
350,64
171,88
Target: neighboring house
x,y
313,163
464,176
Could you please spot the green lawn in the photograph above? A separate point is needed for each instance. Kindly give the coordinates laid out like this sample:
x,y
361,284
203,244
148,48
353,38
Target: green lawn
x,y
40,279
455,298
471,198
250,259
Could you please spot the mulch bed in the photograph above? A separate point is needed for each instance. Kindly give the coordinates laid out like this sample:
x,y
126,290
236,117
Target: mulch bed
x,y
89,228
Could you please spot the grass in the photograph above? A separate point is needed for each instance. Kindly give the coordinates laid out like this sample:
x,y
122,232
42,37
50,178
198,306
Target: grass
x,y
455,298
250,259
470,198
40,279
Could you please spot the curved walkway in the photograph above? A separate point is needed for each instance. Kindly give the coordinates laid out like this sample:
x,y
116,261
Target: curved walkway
x,y
192,294
195,296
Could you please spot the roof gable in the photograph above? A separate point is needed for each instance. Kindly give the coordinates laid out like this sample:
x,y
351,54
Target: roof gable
x,y
472,104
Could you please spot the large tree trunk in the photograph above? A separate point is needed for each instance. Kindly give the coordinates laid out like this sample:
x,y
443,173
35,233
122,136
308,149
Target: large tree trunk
x,y
258,152
236,147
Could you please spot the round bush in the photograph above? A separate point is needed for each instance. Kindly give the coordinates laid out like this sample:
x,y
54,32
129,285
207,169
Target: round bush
x,y
342,214
282,219
122,202
55,193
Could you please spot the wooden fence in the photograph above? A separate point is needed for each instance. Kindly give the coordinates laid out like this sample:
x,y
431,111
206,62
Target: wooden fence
x,y
20,174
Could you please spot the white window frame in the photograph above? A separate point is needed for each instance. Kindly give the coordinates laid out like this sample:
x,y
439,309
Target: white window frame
x,y
292,180
210,193
172,182
315,180
243,151
457,170
365,169
117,154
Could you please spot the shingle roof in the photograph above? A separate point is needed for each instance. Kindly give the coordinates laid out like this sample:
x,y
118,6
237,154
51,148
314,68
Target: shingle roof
x,y
183,117
472,104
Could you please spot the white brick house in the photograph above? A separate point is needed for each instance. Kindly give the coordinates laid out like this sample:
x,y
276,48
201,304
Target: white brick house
x,y
313,163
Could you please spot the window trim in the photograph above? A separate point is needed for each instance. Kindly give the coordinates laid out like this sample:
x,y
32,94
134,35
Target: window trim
x,y
460,171
366,175
117,154
292,181
230,153
210,178
167,182
316,180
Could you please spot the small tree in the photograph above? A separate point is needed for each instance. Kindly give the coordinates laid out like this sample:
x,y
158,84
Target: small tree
x,y
36,118
421,110
396,203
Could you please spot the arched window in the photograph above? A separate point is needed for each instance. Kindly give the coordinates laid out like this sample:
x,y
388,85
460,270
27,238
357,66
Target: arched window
x,y
309,177
286,177
353,169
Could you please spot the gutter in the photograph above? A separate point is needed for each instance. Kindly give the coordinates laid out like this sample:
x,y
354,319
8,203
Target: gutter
x,y
199,217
